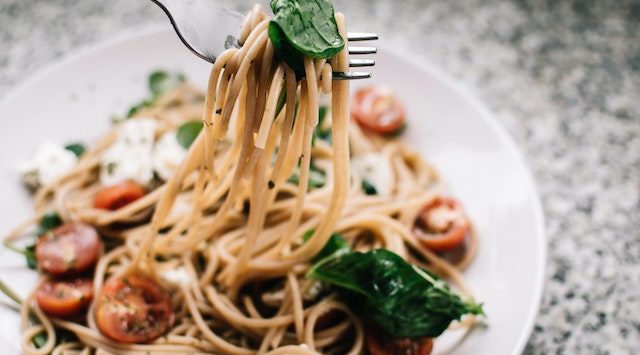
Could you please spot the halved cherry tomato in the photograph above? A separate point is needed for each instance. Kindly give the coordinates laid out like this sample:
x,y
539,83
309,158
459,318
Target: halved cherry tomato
x,y
117,196
64,298
442,224
133,309
379,343
68,249
376,108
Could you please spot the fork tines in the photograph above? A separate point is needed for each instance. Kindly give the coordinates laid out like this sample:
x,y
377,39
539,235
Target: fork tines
x,y
358,50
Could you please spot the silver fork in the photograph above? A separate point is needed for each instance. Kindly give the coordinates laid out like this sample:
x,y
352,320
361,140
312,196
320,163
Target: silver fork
x,y
207,29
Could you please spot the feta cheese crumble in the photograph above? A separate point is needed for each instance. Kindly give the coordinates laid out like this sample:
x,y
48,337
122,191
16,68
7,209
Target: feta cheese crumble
x,y
376,169
130,156
50,162
168,154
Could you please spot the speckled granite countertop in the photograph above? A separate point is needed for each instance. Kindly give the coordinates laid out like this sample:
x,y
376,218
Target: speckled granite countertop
x,y
562,76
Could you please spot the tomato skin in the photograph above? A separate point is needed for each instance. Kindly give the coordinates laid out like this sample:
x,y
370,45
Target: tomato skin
x,y
133,309
64,298
69,249
117,196
378,343
377,109
437,238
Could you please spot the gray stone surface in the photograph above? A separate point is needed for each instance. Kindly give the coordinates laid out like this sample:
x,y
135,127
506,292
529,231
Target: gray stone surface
x,y
562,76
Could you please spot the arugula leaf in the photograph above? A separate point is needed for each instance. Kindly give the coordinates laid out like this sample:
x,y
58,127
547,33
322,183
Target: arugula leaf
x,y
399,297
76,148
188,132
368,187
161,82
336,245
302,27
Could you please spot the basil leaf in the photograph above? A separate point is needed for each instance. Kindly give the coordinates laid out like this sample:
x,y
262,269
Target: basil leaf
x,y
399,297
336,245
368,187
188,132
49,221
302,27
161,82
76,148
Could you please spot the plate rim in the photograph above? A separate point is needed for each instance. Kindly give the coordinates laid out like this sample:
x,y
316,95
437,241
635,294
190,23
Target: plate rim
x,y
538,213
424,64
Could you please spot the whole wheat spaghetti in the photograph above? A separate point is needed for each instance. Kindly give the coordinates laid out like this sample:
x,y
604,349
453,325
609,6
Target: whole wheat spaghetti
x,y
232,223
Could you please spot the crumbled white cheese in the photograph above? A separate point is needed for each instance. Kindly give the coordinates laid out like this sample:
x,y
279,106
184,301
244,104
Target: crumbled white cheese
x,y
130,156
376,169
49,163
168,154
177,275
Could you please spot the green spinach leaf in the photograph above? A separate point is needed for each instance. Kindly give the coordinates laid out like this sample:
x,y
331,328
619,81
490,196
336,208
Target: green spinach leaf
x,y
76,148
188,132
49,221
319,132
139,106
336,245
30,256
317,177
40,339
368,187
403,299
161,82
302,27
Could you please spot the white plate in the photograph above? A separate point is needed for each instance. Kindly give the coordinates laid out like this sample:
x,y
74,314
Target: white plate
x,y
75,99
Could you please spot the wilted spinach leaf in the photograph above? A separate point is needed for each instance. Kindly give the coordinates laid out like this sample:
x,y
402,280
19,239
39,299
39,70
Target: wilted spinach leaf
x,y
317,177
336,245
401,298
319,132
161,82
302,27
49,221
76,148
368,187
188,132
